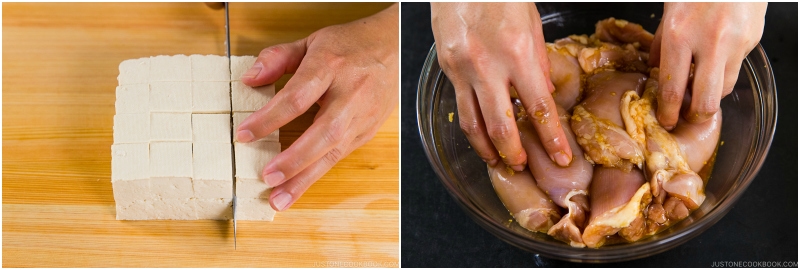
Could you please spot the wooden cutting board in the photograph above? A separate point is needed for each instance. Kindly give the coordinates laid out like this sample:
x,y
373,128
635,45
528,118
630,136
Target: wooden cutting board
x,y
59,74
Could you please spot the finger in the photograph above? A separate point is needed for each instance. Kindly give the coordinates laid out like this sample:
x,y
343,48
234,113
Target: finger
x,y
732,69
543,114
301,91
707,88
274,62
498,114
471,122
331,130
655,48
284,195
676,61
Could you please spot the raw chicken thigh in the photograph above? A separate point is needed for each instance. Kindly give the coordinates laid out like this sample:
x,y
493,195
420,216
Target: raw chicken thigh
x,y
629,177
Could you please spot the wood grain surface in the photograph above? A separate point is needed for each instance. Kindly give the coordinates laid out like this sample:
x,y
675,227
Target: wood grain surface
x,y
59,74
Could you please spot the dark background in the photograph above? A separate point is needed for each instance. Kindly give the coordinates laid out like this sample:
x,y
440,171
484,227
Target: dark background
x,y
762,226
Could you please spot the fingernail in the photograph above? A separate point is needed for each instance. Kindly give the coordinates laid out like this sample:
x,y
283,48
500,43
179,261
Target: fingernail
x,y
669,128
281,201
245,136
274,178
492,162
518,168
561,159
253,71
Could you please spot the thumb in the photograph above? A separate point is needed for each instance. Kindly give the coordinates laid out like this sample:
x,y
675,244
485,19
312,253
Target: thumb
x,y
274,62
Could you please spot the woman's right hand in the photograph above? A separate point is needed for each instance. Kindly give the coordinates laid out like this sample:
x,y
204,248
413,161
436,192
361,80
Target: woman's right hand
x,y
486,48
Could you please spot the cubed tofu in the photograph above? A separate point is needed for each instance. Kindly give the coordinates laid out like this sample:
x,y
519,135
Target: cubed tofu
x,y
211,97
254,209
175,209
133,98
163,188
248,99
127,192
130,161
171,97
131,128
240,65
214,128
137,210
252,157
210,68
171,127
213,189
212,161
176,68
170,159
134,71
252,188
238,117
217,209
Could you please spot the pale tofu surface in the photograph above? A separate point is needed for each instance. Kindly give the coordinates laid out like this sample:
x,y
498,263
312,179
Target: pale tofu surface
x,y
172,156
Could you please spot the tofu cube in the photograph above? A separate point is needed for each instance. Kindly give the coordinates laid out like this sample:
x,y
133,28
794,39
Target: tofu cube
x,y
252,188
254,209
133,98
238,117
176,209
176,68
134,71
211,128
213,189
171,97
138,210
212,161
130,161
171,188
210,68
171,127
170,159
127,192
131,128
248,99
252,157
217,209
211,97
240,65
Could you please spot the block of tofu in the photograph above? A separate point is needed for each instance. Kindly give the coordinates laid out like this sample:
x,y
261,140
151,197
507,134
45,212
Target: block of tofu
x,y
131,128
253,156
211,97
130,161
138,210
134,71
210,68
171,97
217,209
171,188
176,209
252,188
127,192
170,159
171,127
176,68
248,99
213,189
238,117
211,128
254,209
212,161
240,65
133,98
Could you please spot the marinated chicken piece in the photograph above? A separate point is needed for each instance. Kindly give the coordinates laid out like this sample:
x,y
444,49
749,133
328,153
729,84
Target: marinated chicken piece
x,y
698,141
612,57
622,31
676,187
566,186
597,122
618,200
529,205
565,73
573,44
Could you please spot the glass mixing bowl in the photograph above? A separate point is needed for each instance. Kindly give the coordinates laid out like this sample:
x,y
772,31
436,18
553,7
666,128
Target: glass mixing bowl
x,y
750,114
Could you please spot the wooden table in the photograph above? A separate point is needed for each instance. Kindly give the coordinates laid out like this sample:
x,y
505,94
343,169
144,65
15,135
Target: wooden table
x,y
59,73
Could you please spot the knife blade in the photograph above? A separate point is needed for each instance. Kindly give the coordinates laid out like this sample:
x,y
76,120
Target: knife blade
x,y
233,154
